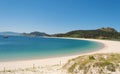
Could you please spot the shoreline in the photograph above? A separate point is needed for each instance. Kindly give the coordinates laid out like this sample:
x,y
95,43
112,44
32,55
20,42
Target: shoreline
x,y
100,46
109,47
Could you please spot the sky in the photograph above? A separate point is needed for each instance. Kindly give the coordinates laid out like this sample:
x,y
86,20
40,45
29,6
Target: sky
x,y
58,16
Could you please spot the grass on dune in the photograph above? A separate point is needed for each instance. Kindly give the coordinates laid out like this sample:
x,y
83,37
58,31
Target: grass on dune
x,y
102,63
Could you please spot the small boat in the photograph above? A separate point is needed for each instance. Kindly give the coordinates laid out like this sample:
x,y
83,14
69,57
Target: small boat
x,y
5,36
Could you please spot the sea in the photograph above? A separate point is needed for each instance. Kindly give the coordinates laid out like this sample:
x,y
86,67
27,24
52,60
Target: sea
x,y
26,48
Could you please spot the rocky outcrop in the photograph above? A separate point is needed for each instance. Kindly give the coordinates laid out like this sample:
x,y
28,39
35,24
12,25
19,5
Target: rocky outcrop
x,y
108,29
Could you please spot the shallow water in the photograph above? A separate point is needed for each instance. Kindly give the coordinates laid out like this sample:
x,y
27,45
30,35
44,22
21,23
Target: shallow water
x,y
22,48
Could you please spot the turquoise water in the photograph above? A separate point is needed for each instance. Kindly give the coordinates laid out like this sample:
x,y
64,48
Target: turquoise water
x,y
22,48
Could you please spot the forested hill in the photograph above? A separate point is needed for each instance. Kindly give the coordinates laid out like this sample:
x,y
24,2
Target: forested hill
x,y
102,33
36,33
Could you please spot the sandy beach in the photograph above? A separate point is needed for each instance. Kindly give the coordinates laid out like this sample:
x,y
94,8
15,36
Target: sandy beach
x,y
52,65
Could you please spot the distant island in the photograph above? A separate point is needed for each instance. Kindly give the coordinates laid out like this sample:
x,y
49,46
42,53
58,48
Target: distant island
x,y
8,33
34,34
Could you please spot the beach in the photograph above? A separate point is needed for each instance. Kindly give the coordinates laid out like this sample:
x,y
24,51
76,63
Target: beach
x,y
53,65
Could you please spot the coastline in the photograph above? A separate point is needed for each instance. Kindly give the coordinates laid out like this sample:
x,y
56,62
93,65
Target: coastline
x,y
109,47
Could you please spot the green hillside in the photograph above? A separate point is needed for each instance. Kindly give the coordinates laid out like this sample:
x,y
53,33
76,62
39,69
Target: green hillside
x,y
36,33
102,33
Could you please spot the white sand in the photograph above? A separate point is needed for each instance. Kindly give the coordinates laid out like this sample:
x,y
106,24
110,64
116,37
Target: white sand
x,y
53,65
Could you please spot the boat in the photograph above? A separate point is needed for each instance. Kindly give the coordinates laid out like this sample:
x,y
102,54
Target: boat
x,y
5,36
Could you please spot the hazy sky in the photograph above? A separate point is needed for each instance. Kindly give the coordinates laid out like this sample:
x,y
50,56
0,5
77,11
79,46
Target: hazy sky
x,y
57,16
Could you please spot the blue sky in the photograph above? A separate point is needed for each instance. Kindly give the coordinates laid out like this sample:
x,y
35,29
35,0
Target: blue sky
x,y
58,16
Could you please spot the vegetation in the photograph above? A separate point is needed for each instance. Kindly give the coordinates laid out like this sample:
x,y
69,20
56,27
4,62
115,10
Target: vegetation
x,y
102,33
94,64
35,34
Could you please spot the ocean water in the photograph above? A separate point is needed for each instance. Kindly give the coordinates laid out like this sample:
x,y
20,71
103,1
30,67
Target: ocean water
x,y
23,48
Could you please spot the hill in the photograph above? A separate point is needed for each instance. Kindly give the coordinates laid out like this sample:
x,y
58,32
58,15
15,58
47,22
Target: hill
x,y
10,33
102,33
36,33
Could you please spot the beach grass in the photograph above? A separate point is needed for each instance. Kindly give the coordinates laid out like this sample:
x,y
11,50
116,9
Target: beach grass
x,y
95,63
